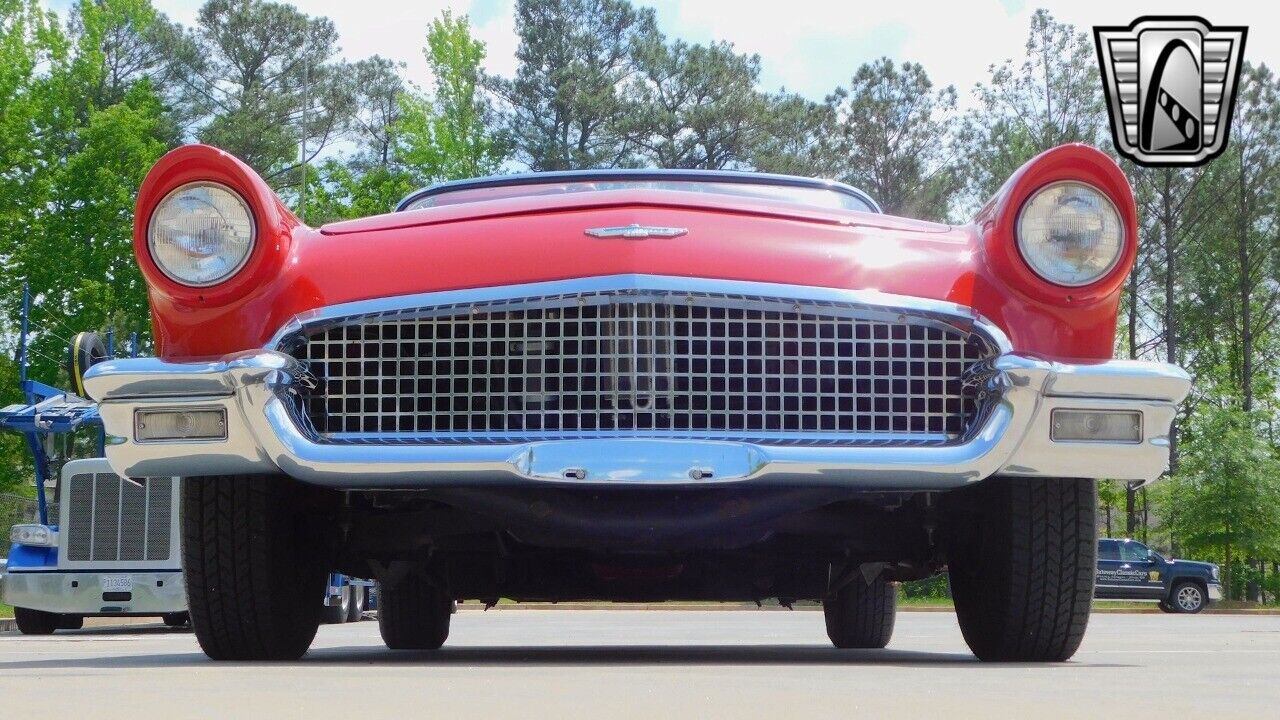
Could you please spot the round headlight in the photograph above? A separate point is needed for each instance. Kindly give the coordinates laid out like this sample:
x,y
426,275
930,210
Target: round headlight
x,y
201,234
1070,234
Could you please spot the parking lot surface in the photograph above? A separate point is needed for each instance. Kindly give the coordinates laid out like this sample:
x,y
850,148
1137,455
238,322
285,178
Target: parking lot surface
x,y
654,664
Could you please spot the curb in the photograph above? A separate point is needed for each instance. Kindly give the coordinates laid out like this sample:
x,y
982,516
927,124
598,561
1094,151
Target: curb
x,y
9,624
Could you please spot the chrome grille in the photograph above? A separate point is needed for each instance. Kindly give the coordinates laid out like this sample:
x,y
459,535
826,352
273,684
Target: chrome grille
x,y
111,520
641,363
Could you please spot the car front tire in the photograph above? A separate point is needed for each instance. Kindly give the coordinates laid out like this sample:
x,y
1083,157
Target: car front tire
x,y
861,615
413,613
1187,598
253,581
1021,560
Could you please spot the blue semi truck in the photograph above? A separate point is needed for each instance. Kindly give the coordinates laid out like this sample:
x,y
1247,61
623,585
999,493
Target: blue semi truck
x,y
103,545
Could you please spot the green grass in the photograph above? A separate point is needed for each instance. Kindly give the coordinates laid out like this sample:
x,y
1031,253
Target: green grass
x,y
5,611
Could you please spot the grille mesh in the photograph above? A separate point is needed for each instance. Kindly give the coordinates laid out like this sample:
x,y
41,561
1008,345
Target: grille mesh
x,y
112,520
606,364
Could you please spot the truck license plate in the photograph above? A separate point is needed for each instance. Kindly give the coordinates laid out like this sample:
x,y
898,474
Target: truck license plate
x,y
117,583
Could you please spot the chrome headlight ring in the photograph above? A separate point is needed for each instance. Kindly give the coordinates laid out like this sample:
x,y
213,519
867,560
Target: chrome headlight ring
x,y
201,234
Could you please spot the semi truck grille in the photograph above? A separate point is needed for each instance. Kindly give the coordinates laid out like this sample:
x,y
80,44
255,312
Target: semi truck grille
x,y
107,519
641,364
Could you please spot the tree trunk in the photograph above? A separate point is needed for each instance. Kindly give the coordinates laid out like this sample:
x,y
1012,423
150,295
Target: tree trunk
x,y
1130,489
1246,291
1131,509
1168,224
1245,285
1146,516
1226,575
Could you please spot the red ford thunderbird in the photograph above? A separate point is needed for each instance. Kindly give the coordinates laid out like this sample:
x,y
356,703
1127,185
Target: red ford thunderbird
x,y
637,386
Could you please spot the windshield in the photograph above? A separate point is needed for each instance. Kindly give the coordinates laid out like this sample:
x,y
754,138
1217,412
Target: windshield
x,y
831,198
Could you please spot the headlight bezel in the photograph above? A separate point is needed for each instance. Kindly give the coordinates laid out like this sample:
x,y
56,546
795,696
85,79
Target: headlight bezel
x,y
239,266
1108,204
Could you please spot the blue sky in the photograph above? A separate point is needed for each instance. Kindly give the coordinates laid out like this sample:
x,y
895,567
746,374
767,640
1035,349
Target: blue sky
x,y
808,46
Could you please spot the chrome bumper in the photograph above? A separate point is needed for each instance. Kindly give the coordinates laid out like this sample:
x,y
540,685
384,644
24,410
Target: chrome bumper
x,y
81,593
1215,592
263,435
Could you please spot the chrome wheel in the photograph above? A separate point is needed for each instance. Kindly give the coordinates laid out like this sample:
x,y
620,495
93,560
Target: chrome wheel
x,y
1189,598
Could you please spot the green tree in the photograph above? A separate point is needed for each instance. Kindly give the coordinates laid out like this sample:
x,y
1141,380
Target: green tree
x,y
693,106
379,94
1050,98
1225,501
261,77
892,133
73,168
451,134
562,108
795,138
340,190
1110,498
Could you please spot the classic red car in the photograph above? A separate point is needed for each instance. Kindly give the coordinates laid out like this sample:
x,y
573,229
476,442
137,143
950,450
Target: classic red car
x,y
637,385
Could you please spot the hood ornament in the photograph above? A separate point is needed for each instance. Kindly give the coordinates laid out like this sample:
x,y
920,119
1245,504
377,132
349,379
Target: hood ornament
x,y
636,231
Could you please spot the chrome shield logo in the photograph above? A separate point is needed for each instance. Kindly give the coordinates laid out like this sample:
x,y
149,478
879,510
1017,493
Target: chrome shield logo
x,y
1170,84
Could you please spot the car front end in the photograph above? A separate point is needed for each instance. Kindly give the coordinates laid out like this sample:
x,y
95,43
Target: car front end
x,y
642,386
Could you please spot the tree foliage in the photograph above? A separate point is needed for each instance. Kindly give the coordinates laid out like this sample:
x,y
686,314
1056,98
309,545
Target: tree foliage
x,y
1050,97
80,124
261,77
450,135
693,106
887,128
1225,502
564,105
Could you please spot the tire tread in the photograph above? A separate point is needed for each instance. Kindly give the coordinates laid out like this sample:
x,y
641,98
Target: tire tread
x,y
862,615
1023,580
251,596
413,613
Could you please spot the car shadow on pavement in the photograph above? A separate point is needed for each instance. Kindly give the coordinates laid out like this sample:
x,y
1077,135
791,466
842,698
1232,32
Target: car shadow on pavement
x,y
565,656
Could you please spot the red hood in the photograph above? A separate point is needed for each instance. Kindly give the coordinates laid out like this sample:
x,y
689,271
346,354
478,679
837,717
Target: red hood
x,y
523,240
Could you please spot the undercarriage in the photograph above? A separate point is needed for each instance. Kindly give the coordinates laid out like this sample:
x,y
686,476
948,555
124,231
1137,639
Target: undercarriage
x,y
638,544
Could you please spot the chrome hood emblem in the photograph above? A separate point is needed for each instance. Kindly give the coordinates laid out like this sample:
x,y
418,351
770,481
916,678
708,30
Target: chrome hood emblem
x,y
636,232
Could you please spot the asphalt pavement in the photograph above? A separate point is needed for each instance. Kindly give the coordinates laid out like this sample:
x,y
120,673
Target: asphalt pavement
x,y
605,664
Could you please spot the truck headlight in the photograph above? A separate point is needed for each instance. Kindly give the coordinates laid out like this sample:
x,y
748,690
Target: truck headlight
x,y
1070,233
201,234
34,535
1214,571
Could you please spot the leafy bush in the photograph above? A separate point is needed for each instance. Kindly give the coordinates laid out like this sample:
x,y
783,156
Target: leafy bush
x,y
934,588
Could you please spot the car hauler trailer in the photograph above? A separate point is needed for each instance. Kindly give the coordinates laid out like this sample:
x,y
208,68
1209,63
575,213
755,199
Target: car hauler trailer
x,y
108,546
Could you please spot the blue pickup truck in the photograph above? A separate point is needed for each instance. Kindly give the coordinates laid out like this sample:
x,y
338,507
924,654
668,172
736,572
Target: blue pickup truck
x,y
1129,570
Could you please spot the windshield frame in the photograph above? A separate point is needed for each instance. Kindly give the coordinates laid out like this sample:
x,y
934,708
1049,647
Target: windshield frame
x,y
618,175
